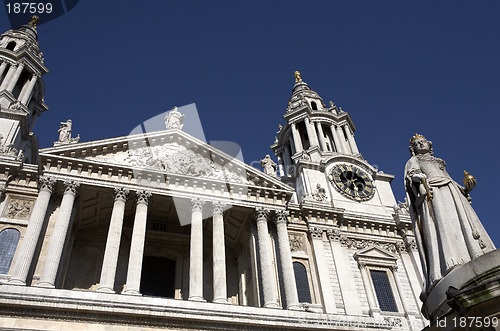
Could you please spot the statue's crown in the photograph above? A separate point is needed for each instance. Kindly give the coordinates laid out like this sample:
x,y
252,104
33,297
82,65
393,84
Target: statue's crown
x,y
415,137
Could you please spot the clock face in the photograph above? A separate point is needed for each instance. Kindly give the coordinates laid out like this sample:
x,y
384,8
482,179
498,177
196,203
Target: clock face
x,y
352,182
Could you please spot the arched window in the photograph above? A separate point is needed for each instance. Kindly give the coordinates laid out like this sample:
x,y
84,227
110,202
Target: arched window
x,y
314,106
8,244
11,45
302,283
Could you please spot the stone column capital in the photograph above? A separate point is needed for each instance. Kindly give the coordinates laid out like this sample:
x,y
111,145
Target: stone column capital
x,y
46,183
121,194
143,197
197,204
315,232
261,214
71,187
281,216
218,207
334,234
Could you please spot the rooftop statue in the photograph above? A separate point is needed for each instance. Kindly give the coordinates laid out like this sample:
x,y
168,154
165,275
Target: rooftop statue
x,y
65,134
447,229
174,119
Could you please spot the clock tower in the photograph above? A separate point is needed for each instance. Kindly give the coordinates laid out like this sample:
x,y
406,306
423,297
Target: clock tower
x,y
318,155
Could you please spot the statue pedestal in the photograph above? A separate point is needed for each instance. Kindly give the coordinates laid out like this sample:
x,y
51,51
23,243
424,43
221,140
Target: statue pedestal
x,y
468,294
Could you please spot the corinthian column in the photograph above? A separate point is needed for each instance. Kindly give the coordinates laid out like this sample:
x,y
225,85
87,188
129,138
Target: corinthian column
x,y
269,290
27,89
108,271
350,139
196,252
15,77
321,136
339,147
58,237
28,246
219,254
292,298
133,283
311,132
296,138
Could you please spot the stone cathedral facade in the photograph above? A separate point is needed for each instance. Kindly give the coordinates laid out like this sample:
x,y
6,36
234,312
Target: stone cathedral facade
x,y
162,230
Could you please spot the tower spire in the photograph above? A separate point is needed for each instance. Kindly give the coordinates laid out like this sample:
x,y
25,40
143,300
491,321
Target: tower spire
x,y
21,90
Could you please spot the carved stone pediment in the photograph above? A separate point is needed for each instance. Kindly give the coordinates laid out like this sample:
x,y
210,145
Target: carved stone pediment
x,y
173,152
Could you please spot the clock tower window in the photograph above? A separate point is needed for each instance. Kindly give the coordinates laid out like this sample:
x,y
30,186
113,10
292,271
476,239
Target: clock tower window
x,y
11,46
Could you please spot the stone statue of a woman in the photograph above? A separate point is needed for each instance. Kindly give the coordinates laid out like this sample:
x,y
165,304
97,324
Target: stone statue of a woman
x,y
447,230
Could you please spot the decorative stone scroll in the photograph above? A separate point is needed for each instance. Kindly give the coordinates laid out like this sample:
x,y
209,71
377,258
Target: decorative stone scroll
x,y
296,243
18,208
178,159
121,194
143,196
71,187
354,243
315,232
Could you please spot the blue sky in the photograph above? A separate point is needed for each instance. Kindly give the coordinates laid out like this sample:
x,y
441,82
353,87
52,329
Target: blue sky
x,y
397,67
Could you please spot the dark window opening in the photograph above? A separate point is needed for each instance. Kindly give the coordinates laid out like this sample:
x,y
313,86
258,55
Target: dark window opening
x,y
157,226
158,277
302,283
330,145
23,79
8,244
314,106
11,46
383,290
301,127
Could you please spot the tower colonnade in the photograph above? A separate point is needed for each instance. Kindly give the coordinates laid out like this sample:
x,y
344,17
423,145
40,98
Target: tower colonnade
x,y
58,237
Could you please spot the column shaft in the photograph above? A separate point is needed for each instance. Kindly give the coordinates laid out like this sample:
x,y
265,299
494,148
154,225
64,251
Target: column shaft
x,y
321,136
291,295
296,138
350,139
28,246
27,89
311,132
323,273
2,68
6,80
133,284
58,237
15,77
219,255
110,260
287,160
196,252
338,145
270,293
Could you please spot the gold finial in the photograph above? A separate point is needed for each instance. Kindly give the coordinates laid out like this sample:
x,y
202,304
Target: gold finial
x,y
415,137
331,103
297,76
467,178
34,21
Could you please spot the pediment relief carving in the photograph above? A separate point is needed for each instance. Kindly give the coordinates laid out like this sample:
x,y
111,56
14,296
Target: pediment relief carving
x,y
174,158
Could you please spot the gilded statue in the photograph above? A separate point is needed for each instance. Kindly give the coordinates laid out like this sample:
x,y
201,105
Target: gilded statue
x,y
297,76
447,229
